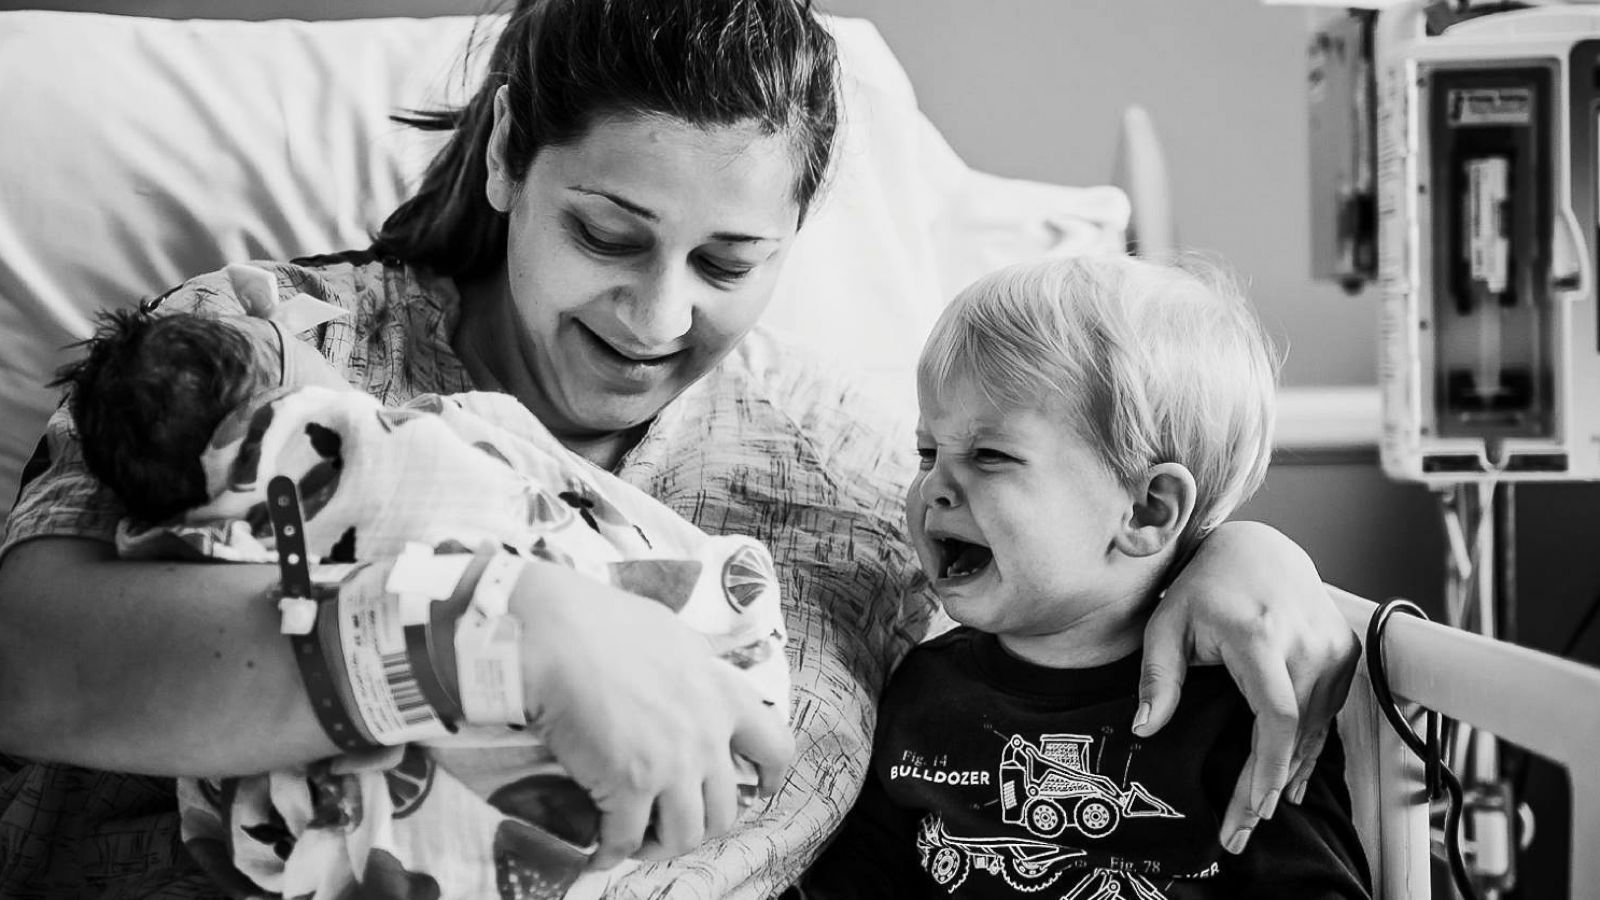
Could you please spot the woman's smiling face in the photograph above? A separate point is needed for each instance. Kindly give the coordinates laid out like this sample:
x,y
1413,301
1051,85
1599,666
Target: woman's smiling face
x,y
638,256
1013,515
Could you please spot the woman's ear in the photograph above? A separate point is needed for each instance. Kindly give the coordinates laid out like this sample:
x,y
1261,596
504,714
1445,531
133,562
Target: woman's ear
x,y
500,187
1163,503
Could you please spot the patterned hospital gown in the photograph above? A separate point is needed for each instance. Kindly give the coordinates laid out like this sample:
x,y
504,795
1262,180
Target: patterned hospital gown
x,y
766,445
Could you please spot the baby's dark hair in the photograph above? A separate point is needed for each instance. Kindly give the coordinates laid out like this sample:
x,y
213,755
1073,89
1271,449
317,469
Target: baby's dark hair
x,y
145,398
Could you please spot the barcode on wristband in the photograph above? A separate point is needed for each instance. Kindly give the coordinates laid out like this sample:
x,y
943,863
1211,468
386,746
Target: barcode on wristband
x,y
403,687
385,693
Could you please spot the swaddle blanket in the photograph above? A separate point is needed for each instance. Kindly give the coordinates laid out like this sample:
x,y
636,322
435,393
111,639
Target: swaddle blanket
x,y
485,812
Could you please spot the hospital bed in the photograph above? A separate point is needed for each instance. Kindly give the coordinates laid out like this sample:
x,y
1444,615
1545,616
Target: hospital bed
x,y
1540,702
137,152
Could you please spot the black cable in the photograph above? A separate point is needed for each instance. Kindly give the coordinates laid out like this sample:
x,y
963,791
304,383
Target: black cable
x,y
1439,774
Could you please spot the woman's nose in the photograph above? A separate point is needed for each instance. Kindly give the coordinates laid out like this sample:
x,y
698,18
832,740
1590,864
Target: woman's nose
x,y
660,308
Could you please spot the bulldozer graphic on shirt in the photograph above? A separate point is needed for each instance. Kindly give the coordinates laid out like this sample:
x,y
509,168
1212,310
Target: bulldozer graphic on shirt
x,y
1028,866
1049,787
1046,787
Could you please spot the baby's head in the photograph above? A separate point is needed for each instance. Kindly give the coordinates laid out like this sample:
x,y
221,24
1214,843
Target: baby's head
x,y
150,390
1083,423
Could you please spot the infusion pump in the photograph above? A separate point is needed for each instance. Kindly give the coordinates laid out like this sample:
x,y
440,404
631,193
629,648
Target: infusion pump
x,y
1454,165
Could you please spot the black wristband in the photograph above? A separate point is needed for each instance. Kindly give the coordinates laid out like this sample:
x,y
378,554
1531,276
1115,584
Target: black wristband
x,y
313,651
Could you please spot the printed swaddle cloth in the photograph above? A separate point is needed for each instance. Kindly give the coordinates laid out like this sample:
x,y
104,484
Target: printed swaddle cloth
x,y
484,812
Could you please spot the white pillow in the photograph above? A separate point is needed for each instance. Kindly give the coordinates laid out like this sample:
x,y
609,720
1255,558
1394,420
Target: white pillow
x,y
139,152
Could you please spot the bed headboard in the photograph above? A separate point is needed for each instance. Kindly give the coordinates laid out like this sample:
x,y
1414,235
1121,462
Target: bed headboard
x,y
177,146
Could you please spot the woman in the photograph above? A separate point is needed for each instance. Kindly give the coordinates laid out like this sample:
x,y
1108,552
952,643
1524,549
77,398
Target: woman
x,y
598,239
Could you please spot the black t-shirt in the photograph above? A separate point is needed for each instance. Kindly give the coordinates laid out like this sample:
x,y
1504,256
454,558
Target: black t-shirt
x,y
995,777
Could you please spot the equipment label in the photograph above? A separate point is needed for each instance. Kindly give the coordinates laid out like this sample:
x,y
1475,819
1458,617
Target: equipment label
x,y
1469,107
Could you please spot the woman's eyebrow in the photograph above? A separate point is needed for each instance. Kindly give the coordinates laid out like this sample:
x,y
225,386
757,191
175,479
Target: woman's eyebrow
x,y
640,211
730,237
649,215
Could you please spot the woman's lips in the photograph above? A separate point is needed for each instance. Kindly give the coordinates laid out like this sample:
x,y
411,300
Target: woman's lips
x,y
625,365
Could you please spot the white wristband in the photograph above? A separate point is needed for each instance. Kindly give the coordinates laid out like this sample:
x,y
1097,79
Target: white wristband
x,y
385,691
489,649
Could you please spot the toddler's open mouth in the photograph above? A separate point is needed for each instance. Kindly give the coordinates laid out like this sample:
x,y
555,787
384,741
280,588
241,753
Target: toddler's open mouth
x,y
961,559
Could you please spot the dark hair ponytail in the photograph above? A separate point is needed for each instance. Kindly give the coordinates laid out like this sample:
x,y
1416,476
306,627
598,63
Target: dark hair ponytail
x,y
566,63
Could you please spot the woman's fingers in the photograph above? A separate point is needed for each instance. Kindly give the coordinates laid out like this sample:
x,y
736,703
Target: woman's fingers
x,y
765,741
1326,683
1252,600
722,804
682,822
623,821
679,824
1240,819
1166,660
632,702
1303,764
1294,670
380,759
1261,671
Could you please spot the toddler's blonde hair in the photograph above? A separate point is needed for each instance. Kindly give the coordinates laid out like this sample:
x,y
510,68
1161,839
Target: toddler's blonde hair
x,y
1156,362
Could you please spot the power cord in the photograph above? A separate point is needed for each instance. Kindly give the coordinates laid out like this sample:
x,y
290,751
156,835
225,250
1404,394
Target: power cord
x,y
1438,776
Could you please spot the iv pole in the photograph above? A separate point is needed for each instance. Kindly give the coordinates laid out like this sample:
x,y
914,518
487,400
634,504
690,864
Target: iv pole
x,y
1480,587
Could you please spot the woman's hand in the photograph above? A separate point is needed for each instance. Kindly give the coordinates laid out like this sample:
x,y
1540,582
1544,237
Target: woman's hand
x,y
1252,600
632,702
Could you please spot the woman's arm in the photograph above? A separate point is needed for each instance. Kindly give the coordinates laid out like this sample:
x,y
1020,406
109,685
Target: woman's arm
x,y
179,669
1251,600
157,668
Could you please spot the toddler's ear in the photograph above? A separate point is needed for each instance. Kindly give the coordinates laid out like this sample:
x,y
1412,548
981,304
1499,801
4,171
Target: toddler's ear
x,y
1163,502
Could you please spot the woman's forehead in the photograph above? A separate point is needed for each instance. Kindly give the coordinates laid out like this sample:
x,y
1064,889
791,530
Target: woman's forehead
x,y
664,169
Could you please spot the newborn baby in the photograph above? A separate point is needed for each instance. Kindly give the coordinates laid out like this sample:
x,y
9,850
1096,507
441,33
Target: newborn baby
x,y
187,416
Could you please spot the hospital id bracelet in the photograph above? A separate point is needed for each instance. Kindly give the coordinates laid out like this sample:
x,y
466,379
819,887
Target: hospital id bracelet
x,y
304,607
358,611
430,643
321,684
469,646
488,647
462,643
383,680
322,670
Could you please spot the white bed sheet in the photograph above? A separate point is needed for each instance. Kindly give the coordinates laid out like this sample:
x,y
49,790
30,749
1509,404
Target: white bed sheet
x,y
137,152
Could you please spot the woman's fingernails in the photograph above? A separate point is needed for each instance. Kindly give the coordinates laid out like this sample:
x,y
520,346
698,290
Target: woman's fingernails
x,y
1269,804
1141,718
1297,793
1239,839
